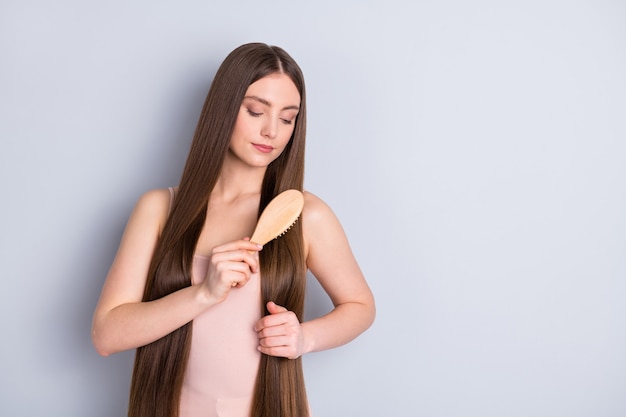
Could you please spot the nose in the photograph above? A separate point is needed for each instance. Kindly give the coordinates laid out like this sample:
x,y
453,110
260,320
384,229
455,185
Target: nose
x,y
270,128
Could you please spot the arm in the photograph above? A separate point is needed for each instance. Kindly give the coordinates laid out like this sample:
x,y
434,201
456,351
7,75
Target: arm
x,y
331,261
121,320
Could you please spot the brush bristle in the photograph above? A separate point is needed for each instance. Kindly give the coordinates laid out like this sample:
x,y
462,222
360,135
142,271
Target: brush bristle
x,y
287,229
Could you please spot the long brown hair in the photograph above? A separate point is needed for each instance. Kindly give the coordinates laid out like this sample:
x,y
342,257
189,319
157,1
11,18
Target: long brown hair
x,y
160,366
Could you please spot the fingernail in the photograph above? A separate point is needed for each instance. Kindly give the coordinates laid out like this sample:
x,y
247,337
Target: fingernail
x,y
259,247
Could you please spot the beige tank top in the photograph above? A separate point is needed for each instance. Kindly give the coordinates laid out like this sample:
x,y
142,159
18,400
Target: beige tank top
x,y
224,360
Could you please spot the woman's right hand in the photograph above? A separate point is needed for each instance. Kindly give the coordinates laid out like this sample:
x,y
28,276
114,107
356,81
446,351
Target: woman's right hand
x,y
231,266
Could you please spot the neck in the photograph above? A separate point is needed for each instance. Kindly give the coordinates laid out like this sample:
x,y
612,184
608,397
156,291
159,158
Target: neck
x,y
236,180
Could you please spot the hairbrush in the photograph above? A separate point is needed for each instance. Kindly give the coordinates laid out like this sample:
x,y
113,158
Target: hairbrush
x,y
278,216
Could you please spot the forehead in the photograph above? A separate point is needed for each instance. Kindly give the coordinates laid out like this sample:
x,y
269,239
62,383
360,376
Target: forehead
x,y
276,89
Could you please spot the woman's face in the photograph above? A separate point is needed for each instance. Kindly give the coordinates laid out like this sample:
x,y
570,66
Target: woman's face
x,y
266,120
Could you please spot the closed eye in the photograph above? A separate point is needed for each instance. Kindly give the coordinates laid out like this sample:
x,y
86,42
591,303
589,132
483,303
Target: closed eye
x,y
253,114
287,121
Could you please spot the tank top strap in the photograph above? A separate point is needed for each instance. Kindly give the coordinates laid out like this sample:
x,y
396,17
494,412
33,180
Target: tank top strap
x,y
172,195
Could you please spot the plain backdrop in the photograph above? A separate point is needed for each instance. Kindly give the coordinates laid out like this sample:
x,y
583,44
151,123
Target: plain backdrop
x,y
475,153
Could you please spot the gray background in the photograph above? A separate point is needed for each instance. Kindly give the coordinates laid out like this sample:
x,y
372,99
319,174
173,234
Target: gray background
x,y
474,151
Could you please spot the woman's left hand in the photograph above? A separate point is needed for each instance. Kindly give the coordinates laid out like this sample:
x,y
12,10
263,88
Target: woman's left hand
x,y
280,333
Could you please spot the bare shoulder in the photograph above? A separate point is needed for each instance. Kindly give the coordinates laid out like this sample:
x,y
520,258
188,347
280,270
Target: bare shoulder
x,y
316,210
314,206
153,207
320,225
156,201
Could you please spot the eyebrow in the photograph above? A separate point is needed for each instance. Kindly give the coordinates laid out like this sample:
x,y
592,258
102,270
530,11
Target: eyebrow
x,y
267,103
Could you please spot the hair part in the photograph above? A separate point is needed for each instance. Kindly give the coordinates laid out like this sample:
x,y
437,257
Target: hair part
x,y
159,367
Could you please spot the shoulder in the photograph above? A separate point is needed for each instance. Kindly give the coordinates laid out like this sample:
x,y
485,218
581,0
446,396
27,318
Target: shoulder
x,y
157,200
315,209
319,223
153,207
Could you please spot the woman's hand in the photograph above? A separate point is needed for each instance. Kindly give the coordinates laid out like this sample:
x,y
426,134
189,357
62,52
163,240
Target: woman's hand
x,y
231,266
280,333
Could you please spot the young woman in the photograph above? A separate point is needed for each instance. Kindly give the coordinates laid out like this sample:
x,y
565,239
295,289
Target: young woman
x,y
217,319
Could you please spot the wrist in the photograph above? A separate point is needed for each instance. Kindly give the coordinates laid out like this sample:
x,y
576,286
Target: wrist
x,y
203,296
308,341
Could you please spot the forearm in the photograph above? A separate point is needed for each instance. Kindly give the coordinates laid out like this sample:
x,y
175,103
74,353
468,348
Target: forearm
x,y
131,325
338,327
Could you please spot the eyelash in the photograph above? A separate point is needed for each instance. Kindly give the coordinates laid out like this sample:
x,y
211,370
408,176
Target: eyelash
x,y
253,114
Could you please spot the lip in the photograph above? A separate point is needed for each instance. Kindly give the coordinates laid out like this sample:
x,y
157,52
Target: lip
x,y
263,148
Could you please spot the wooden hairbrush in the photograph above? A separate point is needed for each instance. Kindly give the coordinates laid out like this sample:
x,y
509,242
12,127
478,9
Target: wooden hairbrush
x,y
278,216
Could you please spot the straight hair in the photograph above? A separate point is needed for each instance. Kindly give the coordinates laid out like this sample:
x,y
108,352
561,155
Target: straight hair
x,y
159,368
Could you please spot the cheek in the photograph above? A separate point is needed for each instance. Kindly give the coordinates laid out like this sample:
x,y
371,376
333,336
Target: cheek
x,y
243,122
283,144
237,128
285,140
287,133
